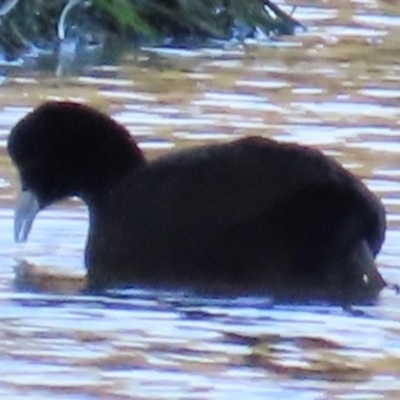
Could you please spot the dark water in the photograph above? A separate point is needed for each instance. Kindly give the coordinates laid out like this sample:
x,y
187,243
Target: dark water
x,y
335,87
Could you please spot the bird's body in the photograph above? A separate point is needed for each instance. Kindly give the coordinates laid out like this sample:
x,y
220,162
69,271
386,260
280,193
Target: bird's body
x,y
250,216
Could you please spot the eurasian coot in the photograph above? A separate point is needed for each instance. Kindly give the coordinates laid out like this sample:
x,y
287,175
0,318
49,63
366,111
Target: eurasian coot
x,y
253,216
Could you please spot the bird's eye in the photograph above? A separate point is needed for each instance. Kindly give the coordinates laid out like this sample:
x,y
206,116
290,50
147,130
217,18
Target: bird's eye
x,y
365,279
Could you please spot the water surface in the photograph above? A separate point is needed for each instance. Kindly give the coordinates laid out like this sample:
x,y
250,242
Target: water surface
x,y
335,87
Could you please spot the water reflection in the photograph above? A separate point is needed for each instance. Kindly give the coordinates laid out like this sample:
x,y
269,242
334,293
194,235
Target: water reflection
x,y
334,87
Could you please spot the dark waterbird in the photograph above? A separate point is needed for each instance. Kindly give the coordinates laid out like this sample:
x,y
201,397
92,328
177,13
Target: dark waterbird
x,y
249,217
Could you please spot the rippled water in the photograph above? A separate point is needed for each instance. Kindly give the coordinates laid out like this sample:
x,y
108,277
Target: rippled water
x,y
336,87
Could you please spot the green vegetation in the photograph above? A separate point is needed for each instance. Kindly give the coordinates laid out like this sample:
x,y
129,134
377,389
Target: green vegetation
x,y
29,24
